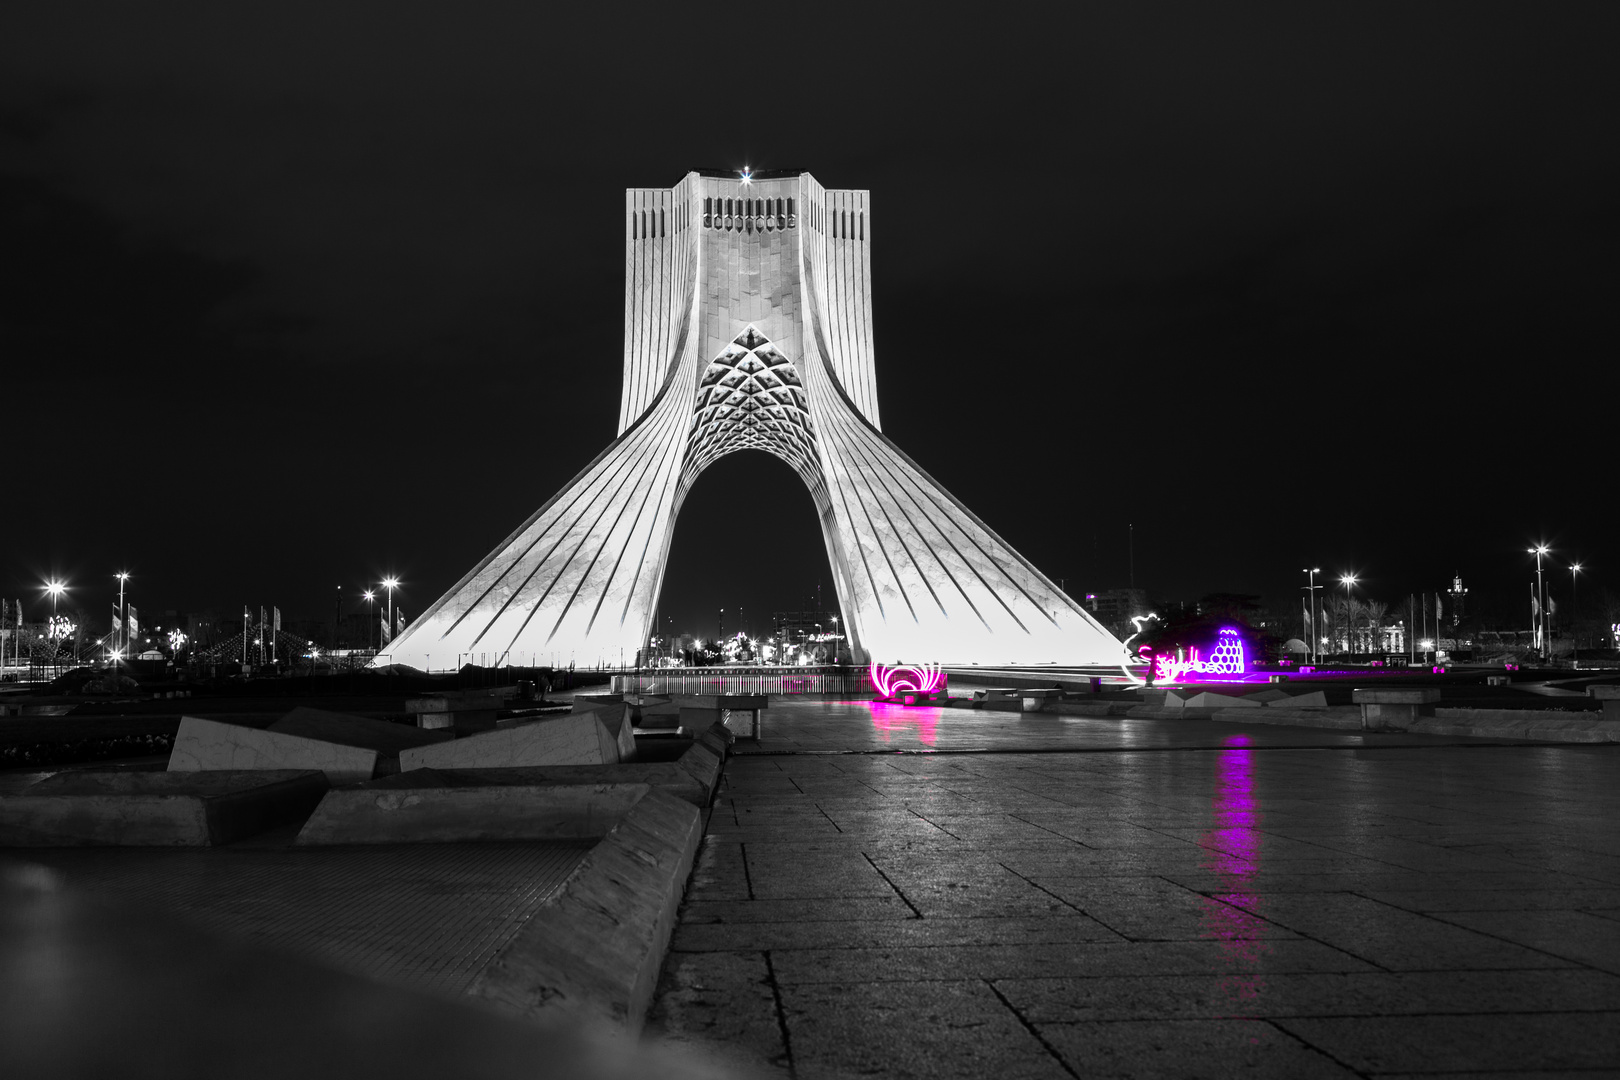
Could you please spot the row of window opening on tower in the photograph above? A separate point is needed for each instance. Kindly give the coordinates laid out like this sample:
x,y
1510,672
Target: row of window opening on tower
x,y
751,215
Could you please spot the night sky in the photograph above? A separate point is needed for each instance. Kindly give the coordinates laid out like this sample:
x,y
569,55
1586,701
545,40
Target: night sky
x,y
295,297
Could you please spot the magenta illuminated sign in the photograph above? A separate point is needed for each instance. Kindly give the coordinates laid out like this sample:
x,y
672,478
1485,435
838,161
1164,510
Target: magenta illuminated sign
x,y
892,682
1226,660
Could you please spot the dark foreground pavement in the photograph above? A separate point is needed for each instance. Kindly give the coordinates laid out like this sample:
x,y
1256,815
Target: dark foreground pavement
x,y
1150,898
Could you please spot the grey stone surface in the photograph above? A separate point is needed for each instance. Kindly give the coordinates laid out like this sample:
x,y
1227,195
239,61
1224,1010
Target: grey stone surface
x,y
203,744
592,955
419,814
97,984
1169,897
577,739
155,809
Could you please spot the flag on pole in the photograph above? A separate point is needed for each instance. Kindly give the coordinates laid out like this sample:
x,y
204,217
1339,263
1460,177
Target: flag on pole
x,y
275,625
387,631
399,627
1439,611
134,622
1552,606
118,624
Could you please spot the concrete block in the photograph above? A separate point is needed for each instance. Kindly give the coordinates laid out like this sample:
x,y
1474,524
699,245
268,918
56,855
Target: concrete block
x,y
592,953
1207,700
1032,700
997,697
464,711
1266,697
155,809
575,739
424,807
334,727
617,717
1316,699
1392,709
212,745
1609,695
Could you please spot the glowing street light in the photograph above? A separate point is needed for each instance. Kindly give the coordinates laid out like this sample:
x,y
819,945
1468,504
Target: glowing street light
x,y
390,584
1540,628
1311,573
1575,617
1349,581
371,609
123,634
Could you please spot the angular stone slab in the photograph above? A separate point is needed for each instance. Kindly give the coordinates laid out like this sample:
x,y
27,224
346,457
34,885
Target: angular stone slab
x,y
576,739
211,745
1315,699
444,805
591,954
1208,700
155,809
380,735
619,718
413,809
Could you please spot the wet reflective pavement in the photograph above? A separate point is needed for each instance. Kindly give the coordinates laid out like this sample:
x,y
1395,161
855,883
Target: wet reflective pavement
x,y
1149,898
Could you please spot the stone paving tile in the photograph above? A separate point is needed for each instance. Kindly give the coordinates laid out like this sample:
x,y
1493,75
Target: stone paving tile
x,y
725,1003
698,912
889,962
958,1028
1258,995
1573,935
1498,1041
1391,937
1276,880
857,934
1187,1048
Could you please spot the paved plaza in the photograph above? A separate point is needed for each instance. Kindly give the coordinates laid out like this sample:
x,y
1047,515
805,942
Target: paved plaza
x,y
941,892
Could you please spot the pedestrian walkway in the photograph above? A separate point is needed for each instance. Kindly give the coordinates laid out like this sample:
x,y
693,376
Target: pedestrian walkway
x,y
1183,898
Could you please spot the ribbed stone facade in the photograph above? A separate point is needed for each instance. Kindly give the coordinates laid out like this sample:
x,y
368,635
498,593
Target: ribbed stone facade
x,y
748,325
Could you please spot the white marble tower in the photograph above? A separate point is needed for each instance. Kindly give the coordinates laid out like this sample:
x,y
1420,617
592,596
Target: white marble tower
x,y
748,324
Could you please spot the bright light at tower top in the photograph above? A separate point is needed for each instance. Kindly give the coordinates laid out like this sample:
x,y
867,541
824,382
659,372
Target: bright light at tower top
x,y
1348,579
55,588
747,174
389,583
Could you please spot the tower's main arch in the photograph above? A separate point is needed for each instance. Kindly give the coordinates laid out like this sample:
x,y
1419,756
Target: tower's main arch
x,y
748,324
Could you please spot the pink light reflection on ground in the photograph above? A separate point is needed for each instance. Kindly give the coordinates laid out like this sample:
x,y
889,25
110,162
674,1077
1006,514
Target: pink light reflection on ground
x,y
917,720
1232,851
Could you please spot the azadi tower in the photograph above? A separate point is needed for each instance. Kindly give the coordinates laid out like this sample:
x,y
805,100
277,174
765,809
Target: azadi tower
x,y
748,325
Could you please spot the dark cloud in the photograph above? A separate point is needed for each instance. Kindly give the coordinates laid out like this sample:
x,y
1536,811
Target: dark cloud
x,y
299,294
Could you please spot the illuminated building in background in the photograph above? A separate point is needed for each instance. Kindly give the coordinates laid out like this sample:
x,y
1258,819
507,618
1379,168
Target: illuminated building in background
x,y
748,325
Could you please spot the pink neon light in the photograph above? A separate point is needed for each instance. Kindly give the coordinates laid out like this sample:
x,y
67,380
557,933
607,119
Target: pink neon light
x,y
890,682
898,721
1232,848
1227,659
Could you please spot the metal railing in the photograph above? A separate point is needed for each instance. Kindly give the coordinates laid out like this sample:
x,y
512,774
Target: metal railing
x,y
761,680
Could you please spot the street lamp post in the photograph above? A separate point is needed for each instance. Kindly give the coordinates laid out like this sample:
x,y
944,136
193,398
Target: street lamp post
x,y
1542,642
1349,582
1575,617
371,609
1311,588
55,588
123,617
390,584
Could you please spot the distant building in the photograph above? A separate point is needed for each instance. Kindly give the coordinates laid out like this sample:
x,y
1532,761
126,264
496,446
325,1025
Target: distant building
x,y
1116,605
1457,609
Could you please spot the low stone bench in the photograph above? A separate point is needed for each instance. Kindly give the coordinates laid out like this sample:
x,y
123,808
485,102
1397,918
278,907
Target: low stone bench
x,y
1394,710
737,713
464,710
995,696
1609,695
1039,700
